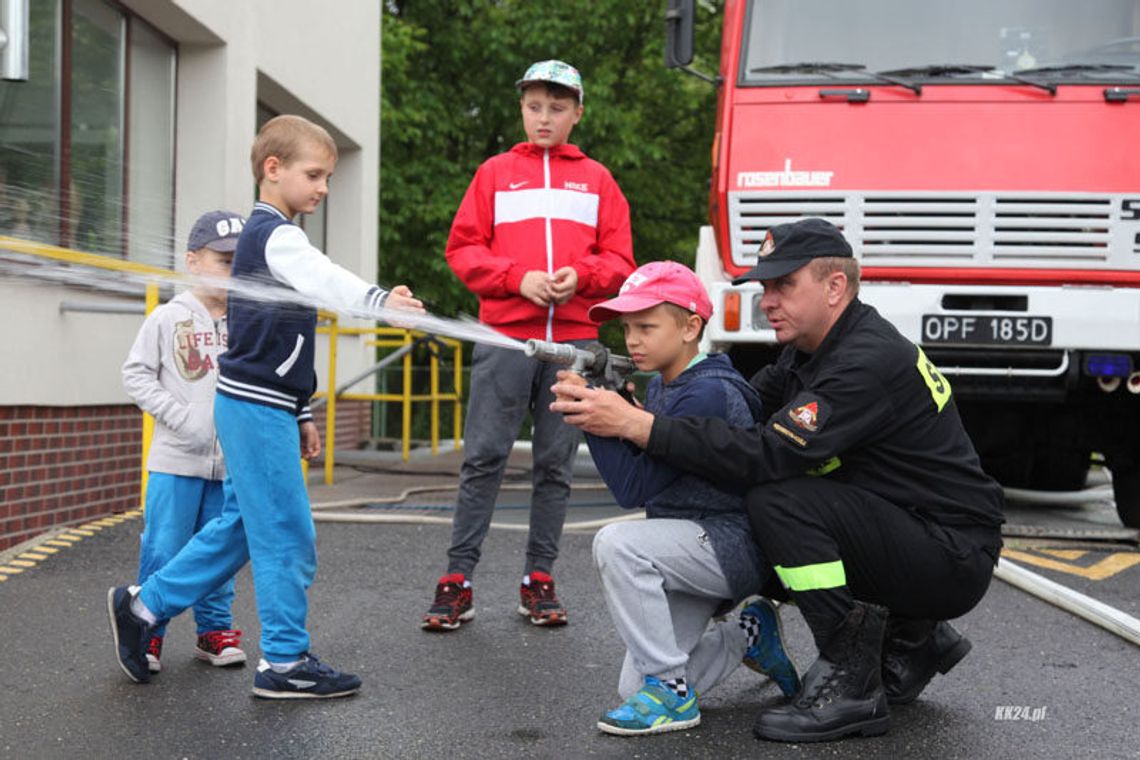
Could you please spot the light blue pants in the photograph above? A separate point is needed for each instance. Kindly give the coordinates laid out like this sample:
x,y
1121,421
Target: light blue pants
x,y
265,518
177,507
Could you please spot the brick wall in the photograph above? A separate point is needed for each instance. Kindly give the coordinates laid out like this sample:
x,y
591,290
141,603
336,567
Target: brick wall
x,y
353,423
66,465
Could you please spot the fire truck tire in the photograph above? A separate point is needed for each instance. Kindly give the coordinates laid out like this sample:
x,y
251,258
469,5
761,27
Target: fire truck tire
x,y
1126,491
1060,470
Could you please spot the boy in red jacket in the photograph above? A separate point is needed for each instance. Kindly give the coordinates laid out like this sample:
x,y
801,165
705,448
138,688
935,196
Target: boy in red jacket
x,y
542,235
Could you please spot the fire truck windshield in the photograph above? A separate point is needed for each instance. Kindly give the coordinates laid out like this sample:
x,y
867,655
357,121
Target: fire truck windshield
x,y
793,41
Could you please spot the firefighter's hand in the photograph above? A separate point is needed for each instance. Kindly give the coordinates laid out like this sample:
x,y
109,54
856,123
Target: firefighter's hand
x,y
571,377
535,287
310,440
564,284
602,412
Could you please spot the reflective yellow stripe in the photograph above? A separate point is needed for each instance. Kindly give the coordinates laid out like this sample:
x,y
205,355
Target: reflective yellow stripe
x,y
813,577
937,383
831,465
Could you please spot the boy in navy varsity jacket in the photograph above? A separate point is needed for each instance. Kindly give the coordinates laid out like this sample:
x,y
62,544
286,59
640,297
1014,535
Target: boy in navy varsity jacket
x,y
665,578
263,421
170,373
541,236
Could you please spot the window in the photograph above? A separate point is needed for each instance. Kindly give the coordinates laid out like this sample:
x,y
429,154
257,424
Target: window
x,y
87,143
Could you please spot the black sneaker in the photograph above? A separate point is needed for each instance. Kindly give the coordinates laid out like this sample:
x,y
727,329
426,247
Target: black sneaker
x,y
309,679
131,633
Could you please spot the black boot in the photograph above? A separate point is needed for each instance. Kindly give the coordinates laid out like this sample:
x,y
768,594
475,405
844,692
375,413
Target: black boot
x,y
913,650
842,692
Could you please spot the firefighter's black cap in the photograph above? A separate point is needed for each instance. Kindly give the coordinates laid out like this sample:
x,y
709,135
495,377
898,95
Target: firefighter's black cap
x,y
787,247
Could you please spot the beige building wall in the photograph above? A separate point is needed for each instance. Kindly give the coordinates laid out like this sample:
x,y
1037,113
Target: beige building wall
x,y
317,59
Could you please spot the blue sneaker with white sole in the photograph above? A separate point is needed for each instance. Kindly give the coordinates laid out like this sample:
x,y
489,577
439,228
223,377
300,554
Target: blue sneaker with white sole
x,y
767,655
130,632
654,709
308,679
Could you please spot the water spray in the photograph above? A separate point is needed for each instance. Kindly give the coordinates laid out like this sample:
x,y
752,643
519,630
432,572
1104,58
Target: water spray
x,y
60,265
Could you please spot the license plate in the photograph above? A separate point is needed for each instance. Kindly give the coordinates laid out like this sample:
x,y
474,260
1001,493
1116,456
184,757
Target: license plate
x,y
987,330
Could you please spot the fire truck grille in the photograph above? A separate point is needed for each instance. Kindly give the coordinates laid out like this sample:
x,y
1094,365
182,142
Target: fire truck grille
x,y
945,229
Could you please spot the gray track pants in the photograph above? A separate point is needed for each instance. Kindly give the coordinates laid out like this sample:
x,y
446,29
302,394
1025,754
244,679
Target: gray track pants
x,y
505,385
662,584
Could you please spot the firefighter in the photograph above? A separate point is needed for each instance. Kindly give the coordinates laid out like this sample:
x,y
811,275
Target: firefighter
x,y
865,495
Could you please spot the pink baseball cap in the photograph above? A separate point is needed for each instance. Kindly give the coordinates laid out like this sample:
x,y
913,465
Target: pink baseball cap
x,y
655,283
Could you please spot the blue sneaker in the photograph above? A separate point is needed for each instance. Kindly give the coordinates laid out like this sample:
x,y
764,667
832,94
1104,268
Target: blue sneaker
x,y
654,709
767,655
131,633
309,679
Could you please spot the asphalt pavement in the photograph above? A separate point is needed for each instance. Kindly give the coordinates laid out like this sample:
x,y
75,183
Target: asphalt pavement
x,y
1038,683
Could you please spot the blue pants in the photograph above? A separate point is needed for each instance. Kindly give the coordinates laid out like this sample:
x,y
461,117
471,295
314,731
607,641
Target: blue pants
x,y
177,507
266,518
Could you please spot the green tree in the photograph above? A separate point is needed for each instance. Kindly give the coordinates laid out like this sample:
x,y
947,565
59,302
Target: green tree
x,y
448,102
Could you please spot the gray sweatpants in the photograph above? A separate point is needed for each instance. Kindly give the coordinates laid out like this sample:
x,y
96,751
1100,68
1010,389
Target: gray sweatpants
x,y
505,385
662,584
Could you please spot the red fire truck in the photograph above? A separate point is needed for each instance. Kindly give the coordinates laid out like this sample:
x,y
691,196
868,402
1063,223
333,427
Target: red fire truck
x,y
982,158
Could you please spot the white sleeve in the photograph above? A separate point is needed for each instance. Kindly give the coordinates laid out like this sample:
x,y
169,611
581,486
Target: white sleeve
x,y
293,260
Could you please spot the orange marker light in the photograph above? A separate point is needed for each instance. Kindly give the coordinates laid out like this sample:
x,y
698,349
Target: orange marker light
x,y
731,311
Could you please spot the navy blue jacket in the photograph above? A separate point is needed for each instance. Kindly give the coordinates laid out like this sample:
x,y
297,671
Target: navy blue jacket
x,y
270,356
709,388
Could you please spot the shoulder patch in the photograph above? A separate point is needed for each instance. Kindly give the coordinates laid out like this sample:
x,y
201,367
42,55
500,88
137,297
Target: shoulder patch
x,y
806,416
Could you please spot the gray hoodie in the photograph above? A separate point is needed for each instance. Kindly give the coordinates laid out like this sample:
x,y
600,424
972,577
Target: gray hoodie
x,y
171,372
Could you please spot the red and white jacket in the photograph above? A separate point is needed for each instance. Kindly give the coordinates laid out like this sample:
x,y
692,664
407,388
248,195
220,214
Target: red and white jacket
x,y
533,208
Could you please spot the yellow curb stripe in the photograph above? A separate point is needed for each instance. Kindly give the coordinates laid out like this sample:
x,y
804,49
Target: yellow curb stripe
x,y
44,549
58,542
10,570
32,555
1106,568
3,578
89,526
81,532
105,523
1069,554
21,563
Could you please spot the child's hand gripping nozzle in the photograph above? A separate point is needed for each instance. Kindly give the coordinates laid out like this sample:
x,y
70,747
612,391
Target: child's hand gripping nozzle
x,y
592,361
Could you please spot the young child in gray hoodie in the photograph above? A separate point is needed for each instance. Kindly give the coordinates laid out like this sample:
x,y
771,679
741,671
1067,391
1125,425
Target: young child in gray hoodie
x,y
170,373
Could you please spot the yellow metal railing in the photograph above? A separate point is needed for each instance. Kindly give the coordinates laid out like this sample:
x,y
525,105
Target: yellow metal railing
x,y
386,337
82,258
397,338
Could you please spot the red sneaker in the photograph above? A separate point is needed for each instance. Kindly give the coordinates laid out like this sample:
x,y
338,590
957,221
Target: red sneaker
x,y
220,648
539,602
153,653
452,606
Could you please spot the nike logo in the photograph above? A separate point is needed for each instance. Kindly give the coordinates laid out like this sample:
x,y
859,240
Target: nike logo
x,y
302,684
517,185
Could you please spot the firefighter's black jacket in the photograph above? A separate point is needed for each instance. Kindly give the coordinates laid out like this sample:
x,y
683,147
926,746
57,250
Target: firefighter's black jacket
x,y
867,408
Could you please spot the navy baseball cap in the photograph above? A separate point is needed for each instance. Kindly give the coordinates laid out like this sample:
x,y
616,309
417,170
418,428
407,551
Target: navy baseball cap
x,y
788,247
216,230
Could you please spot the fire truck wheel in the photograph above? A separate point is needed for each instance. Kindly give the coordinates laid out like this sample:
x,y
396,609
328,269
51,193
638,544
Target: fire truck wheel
x,y
1060,470
1126,491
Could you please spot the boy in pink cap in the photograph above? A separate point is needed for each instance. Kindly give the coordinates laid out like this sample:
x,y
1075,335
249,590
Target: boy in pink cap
x,y
694,557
